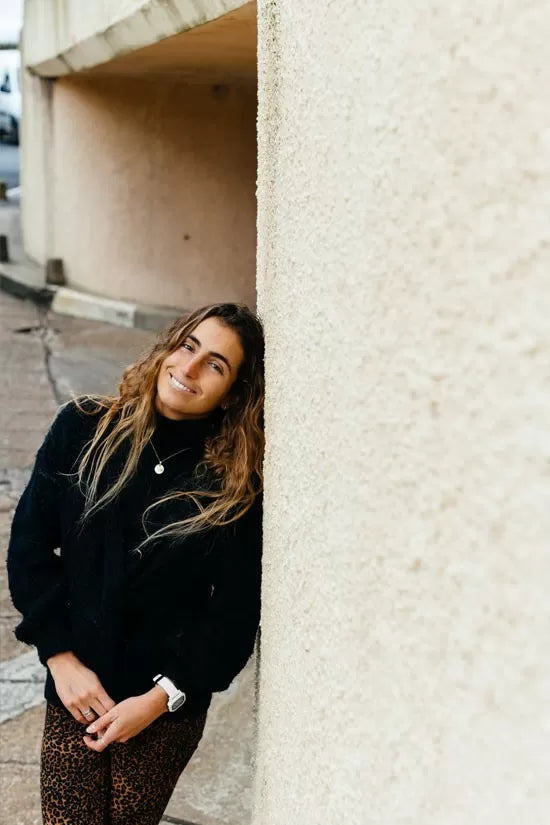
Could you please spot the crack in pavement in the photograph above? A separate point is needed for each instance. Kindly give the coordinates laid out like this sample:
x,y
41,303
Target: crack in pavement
x,y
18,762
45,333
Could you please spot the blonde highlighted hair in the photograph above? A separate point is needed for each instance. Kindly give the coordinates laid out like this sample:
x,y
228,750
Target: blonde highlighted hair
x,y
233,453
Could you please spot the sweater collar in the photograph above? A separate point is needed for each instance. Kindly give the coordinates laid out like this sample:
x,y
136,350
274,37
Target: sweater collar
x,y
185,432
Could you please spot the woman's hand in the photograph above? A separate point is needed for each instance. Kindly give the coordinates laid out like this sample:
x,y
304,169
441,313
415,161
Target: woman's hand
x,y
127,719
78,687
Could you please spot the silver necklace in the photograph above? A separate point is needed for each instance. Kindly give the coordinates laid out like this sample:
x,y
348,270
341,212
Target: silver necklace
x,y
159,468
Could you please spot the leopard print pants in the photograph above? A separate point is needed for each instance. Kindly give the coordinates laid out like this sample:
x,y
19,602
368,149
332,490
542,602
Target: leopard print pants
x,y
126,784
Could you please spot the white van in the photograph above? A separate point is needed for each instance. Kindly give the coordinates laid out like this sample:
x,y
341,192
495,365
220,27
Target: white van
x,y
10,94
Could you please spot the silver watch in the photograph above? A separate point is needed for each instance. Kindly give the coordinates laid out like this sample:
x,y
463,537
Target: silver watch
x,y
176,697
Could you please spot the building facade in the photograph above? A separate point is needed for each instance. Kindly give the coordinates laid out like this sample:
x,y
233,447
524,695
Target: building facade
x,y
139,151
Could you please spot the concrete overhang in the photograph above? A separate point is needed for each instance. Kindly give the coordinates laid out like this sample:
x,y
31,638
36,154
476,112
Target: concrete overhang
x,y
210,39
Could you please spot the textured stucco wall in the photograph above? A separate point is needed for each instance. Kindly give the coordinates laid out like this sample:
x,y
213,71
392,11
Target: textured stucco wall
x,y
403,268
155,189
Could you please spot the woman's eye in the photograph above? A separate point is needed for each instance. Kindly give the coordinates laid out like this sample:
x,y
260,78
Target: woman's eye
x,y
187,346
216,366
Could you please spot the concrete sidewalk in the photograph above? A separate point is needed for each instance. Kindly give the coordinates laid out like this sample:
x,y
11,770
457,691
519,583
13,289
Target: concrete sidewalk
x,y
44,358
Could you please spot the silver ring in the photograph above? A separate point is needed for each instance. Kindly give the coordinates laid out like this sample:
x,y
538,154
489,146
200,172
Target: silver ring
x,y
87,713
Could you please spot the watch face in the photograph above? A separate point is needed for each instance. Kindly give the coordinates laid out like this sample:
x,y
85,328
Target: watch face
x,y
176,702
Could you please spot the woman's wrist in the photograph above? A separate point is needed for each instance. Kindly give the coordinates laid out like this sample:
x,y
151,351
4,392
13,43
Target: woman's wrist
x,y
158,700
58,658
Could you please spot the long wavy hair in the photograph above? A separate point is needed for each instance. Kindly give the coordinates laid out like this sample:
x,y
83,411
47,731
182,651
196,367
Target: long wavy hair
x,y
233,454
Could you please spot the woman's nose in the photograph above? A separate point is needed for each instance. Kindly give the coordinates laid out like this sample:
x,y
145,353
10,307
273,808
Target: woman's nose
x,y
191,367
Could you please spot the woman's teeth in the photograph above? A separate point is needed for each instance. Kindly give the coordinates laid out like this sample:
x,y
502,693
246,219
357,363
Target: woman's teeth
x,y
178,385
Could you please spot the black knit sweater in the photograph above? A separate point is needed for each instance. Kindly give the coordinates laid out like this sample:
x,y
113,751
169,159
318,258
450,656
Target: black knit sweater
x,y
188,609
180,446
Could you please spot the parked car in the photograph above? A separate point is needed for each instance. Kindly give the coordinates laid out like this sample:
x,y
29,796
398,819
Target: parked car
x,y
10,94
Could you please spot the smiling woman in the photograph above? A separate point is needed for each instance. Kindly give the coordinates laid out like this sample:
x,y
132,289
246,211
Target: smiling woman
x,y
154,498
198,376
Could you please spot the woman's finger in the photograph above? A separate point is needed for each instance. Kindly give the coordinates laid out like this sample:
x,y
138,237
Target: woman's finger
x,y
97,704
75,711
98,708
103,739
95,744
105,700
101,724
88,712
84,707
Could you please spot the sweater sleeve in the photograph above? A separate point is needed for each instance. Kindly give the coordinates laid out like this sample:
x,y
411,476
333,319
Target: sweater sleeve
x,y
35,572
215,648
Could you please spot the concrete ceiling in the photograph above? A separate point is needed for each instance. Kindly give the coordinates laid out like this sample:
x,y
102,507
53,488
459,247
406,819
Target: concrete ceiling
x,y
223,49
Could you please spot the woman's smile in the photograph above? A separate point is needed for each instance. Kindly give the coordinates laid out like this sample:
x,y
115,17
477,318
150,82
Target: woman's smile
x,y
179,385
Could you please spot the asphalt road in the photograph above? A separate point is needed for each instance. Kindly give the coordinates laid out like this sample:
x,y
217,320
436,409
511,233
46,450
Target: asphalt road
x,y
9,164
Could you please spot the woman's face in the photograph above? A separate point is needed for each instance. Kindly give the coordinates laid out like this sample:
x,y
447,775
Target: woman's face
x,y
194,379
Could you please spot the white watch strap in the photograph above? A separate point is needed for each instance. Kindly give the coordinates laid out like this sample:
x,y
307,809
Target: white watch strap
x,y
176,697
167,685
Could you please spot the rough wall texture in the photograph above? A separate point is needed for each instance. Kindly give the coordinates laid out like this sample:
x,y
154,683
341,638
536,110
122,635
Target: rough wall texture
x,y
403,277
154,189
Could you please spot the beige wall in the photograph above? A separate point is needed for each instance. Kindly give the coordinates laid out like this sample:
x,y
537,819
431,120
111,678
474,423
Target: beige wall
x,y
403,277
155,189
36,166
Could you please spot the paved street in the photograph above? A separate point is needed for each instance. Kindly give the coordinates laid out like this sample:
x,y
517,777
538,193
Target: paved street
x,y
44,358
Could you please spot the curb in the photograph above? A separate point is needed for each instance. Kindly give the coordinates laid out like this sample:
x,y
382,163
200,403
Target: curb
x,y
66,301
27,292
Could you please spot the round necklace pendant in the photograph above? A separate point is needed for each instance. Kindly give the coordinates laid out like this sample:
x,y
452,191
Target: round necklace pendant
x,y
159,469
